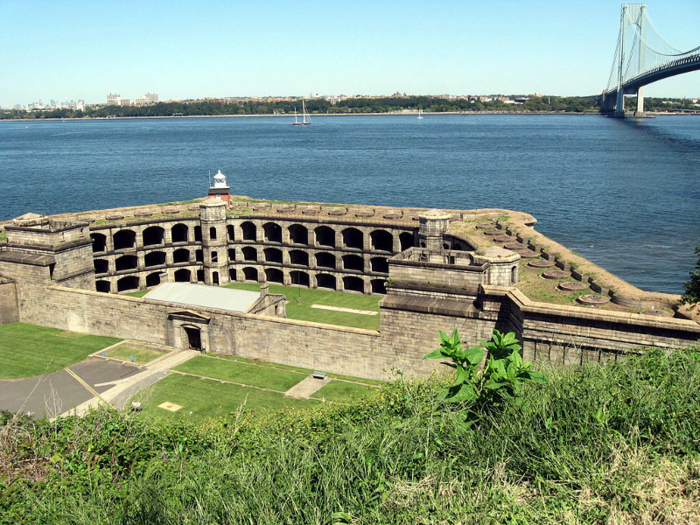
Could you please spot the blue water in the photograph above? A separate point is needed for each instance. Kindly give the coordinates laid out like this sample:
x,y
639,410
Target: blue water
x,y
623,193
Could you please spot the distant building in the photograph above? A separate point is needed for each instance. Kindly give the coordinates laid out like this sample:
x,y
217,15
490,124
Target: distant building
x,y
151,97
113,99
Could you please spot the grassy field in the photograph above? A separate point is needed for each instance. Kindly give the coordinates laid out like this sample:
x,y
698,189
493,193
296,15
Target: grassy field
x,y
139,293
29,350
304,312
614,443
239,372
141,354
202,398
343,392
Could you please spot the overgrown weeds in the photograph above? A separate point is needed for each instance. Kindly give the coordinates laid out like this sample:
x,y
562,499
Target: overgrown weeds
x,y
613,443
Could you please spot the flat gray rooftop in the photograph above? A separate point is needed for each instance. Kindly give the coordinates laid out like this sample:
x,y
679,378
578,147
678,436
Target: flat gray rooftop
x,y
206,296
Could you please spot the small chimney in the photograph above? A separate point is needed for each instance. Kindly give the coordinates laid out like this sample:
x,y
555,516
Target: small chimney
x,y
264,290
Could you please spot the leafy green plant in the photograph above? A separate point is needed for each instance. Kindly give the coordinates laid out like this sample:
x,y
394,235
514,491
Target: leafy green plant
x,y
503,375
692,286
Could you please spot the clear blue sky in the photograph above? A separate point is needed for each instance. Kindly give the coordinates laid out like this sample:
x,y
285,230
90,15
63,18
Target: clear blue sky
x,y
61,49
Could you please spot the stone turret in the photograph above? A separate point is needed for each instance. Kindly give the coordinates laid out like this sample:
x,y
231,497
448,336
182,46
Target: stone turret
x,y
213,221
434,224
502,265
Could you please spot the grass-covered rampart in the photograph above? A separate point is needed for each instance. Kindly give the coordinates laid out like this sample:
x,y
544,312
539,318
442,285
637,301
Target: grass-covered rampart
x,y
617,443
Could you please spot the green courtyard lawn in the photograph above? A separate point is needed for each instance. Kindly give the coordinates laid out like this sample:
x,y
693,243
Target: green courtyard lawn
x,y
28,350
244,373
202,398
303,311
343,392
141,354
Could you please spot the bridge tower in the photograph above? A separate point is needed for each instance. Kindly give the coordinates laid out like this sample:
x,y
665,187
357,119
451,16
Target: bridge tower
x,y
631,14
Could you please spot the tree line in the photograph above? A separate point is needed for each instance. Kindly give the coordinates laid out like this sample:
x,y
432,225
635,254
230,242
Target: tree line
x,y
545,104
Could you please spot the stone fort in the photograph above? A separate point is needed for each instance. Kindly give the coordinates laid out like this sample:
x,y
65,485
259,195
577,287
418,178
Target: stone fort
x,y
436,270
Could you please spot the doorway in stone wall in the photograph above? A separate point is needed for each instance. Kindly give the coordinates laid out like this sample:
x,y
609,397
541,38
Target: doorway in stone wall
x,y
194,338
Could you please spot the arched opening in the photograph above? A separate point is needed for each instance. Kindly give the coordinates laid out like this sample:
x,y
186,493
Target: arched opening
x,y
300,278
231,254
103,286
199,255
101,265
181,256
212,233
250,274
154,259
197,234
230,231
353,263
379,264
352,238
514,275
249,231
126,262
194,338
215,278
214,256
325,260
250,253
124,239
153,235
378,286
299,257
272,232
325,236
179,232
153,279
323,280
183,276
274,275
200,276
406,240
353,284
382,241
130,282
273,255
298,234
231,274
99,242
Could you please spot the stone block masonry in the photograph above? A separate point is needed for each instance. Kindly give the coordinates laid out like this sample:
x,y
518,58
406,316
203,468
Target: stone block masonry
x,y
431,280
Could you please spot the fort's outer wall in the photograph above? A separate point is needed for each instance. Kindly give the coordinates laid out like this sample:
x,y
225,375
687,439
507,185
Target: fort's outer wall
x,y
9,313
340,350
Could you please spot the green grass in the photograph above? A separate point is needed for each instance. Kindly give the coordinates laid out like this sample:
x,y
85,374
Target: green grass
x,y
141,354
238,372
304,312
341,391
612,443
29,350
202,398
140,293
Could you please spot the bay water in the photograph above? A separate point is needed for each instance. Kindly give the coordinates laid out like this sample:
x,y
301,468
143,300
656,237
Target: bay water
x,y
622,193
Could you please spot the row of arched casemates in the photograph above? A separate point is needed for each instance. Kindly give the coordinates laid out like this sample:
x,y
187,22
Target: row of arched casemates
x,y
214,250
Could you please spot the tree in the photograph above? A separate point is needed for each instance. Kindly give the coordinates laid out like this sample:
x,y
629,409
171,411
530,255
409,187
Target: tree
x,y
692,286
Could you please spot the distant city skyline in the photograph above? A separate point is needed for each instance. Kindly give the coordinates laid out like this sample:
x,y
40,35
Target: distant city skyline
x,y
80,50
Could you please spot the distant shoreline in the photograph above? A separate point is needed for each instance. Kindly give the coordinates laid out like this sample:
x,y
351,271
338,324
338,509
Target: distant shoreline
x,y
390,114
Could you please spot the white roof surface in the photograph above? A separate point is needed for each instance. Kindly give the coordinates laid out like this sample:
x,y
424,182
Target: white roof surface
x,y
207,296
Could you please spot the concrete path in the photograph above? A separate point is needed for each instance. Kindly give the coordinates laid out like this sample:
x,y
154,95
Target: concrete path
x,y
52,394
121,390
346,310
306,387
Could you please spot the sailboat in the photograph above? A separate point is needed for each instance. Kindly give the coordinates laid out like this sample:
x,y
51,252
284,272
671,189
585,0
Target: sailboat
x,y
305,119
420,114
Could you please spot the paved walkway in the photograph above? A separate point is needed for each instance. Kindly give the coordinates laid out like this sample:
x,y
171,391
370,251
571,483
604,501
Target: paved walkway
x,y
81,386
346,310
306,388
122,389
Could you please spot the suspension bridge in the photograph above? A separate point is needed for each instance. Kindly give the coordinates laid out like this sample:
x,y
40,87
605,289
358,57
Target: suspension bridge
x,y
642,56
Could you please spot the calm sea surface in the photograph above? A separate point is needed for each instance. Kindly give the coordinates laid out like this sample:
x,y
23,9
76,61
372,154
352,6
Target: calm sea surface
x,y
623,193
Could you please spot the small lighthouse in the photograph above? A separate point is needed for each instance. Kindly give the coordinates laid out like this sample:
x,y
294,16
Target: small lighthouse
x,y
220,190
